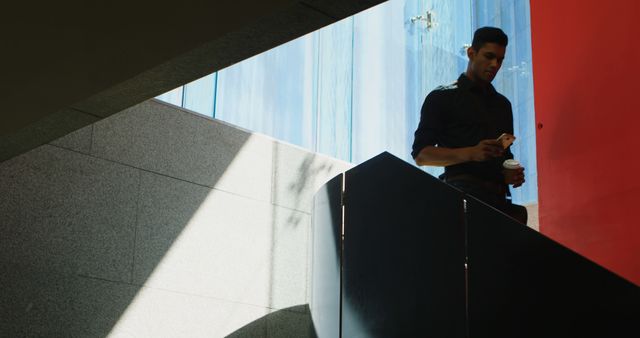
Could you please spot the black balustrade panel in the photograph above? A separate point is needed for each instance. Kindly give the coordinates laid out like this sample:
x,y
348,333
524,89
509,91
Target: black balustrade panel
x,y
523,284
326,266
403,259
398,270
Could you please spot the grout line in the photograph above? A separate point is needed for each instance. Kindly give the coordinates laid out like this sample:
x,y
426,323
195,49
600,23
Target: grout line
x,y
249,132
183,180
91,138
135,226
107,280
309,263
133,167
308,213
142,286
274,219
274,151
87,113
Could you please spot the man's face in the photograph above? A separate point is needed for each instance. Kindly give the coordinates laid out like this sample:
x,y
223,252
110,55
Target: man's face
x,y
486,62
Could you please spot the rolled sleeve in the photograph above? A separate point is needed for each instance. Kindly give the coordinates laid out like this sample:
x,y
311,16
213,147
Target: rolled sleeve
x,y
430,123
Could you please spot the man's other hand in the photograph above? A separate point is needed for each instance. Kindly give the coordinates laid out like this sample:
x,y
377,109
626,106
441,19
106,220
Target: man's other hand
x,y
485,150
514,176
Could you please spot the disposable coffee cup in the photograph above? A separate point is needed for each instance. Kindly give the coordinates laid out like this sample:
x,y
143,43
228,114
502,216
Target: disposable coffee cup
x,y
511,164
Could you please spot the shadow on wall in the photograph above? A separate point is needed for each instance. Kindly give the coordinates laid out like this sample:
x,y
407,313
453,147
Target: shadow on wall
x,y
117,230
86,218
290,322
298,175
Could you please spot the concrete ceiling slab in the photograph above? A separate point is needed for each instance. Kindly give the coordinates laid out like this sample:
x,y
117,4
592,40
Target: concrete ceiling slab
x,y
97,58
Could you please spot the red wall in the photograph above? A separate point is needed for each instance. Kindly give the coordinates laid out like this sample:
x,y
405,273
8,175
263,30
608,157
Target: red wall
x,y
586,61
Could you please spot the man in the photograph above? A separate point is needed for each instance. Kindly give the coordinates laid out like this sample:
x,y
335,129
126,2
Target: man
x,y
460,124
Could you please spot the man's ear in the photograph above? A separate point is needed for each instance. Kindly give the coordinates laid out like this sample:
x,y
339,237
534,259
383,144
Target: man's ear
x,y
471,53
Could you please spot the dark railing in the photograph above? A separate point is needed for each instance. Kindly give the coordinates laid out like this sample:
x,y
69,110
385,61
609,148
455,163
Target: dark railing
x,y
398,253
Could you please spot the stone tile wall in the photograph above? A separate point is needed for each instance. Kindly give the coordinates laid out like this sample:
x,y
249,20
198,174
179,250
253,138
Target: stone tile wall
x,y
157,222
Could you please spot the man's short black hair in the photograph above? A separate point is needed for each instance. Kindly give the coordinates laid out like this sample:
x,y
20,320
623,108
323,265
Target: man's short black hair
x,y
489,34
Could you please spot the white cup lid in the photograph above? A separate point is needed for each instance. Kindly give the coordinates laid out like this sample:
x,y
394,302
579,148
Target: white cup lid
x,y
511,164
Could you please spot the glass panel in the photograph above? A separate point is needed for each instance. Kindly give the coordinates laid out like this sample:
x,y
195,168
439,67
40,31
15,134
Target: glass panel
x,y
355,88
515,81
382,89
335,80
272,93
199,95
443,54
174,96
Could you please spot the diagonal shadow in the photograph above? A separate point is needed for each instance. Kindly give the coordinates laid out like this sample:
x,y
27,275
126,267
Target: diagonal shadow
x,y
294,321
107,239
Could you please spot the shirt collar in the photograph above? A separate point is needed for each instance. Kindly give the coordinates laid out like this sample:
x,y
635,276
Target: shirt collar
x,y
466,83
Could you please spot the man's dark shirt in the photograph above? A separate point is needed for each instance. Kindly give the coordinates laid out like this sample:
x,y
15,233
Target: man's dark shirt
x,y
461,115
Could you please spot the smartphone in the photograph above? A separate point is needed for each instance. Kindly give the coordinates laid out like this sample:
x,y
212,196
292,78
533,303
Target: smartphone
x,y
506,140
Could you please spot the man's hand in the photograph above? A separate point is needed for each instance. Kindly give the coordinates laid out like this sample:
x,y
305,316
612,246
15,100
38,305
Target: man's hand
x,y
485,150
514,176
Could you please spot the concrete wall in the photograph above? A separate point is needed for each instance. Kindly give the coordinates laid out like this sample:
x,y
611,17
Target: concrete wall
x,y
157,222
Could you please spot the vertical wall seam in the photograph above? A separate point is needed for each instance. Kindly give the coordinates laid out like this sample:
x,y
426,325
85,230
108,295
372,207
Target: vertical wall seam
x,y
135,225
91,139
274,215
